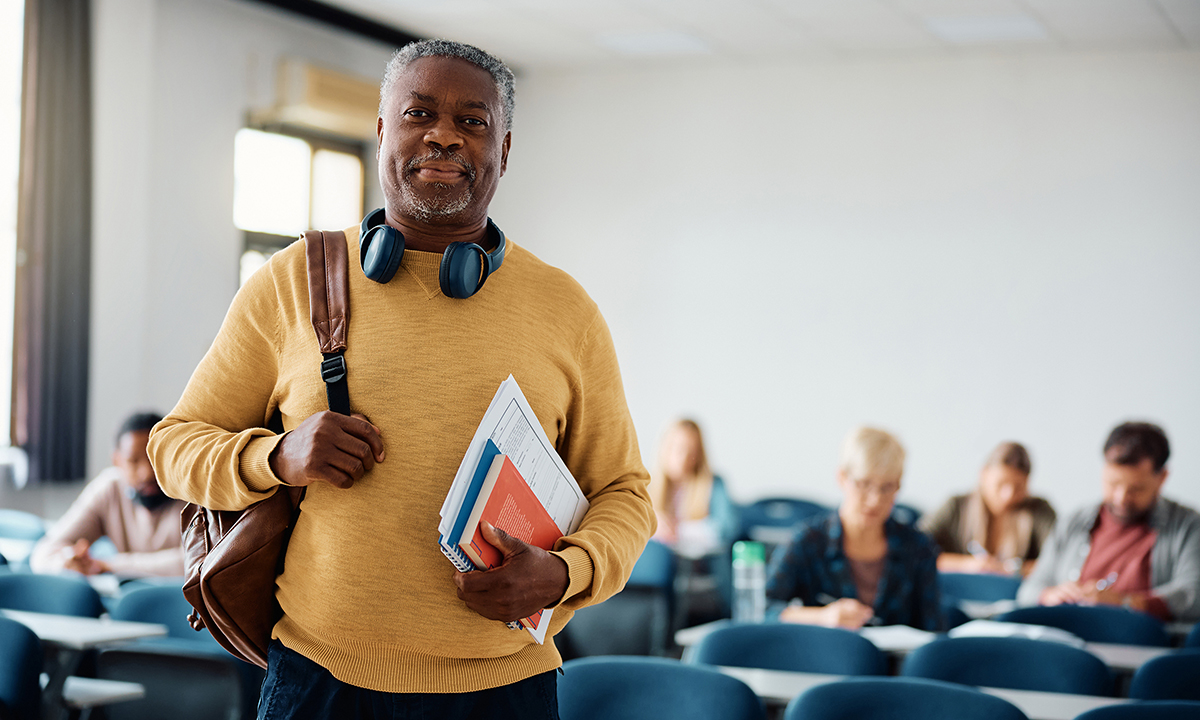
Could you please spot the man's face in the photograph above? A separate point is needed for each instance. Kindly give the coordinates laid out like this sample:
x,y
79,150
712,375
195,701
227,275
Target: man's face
x,y
1131,490
131,459
442,144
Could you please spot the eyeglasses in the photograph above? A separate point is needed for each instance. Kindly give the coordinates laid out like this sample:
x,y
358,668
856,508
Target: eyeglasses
x,y
866,487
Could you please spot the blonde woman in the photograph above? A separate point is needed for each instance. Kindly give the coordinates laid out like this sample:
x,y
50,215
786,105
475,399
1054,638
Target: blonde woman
x,y
998,528
695,514
855,565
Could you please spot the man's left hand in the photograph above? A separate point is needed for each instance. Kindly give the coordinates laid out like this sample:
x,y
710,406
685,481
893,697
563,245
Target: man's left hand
x,y
528,580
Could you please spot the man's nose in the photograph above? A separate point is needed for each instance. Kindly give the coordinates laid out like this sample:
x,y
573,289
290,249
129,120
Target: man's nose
x,y
444,134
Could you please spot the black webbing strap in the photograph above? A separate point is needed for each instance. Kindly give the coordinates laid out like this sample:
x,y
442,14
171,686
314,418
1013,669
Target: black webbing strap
x,y
333,372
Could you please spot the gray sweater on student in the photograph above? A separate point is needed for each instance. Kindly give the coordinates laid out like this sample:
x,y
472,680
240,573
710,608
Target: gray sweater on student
x,y
1174,561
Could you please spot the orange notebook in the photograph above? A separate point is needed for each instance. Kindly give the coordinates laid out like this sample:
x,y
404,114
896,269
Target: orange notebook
x,y
506,501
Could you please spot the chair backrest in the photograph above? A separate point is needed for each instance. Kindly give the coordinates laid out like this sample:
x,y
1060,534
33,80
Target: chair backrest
x,y
898,699
978,586
162,604
633,688
20,668
19,532
1145,710
178,686
1095,623
1193,638
56,594
778,512
905,514
798,648
1011,662
1168,677
654,568
20,525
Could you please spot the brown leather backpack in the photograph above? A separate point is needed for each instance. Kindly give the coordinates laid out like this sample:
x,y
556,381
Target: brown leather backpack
x,y
232,558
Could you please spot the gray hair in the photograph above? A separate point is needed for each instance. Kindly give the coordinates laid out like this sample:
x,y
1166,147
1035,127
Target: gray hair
x,y
405,56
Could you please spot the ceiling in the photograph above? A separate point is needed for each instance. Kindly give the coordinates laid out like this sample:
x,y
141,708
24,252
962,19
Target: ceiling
x,y
586,33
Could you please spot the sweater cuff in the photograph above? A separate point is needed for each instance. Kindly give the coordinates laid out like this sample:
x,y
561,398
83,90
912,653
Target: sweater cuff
x,y
254,463
579,571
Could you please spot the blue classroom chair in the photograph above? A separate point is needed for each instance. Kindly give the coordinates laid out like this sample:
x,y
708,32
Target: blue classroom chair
x,y
1146,710
57,594
1168,677
905,514
1011,662
1193,638
642,688
978,586
187,674
1096,623
898,699
20,667
776,512
798,648
635,621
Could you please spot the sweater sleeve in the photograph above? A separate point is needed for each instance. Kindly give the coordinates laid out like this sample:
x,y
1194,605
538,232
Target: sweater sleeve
x,y
600,447
167,562
212,449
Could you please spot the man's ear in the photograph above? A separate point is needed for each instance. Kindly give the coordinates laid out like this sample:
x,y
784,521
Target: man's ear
x,y
378,136
504,146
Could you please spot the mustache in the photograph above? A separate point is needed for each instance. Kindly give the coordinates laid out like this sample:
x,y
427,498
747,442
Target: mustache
x,y
439,155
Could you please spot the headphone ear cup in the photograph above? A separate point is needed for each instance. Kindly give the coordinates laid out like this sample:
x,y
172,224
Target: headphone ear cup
x,y
462,270
381,250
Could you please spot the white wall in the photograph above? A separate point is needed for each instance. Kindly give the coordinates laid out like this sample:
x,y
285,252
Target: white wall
x,y
174,81
962,250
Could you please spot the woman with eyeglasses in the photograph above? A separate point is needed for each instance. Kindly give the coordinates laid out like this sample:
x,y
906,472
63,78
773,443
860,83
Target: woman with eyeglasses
x,y
855,565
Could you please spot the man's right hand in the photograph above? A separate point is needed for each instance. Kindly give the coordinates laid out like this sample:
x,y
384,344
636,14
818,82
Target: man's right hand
x,y
1068,593
327,447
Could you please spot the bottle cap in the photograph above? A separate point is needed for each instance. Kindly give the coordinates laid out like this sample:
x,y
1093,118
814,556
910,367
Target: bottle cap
x,y
747,552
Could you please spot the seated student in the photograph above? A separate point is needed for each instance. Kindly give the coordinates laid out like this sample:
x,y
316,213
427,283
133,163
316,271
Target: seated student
x,y
856,565
999,528
1136,548
695,515
125,504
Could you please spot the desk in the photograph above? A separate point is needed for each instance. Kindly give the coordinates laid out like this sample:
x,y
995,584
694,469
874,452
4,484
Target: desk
x,y
779,687
70,637
899,640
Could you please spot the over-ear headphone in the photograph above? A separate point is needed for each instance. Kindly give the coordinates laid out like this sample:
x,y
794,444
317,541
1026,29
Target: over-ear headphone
x,y
465,266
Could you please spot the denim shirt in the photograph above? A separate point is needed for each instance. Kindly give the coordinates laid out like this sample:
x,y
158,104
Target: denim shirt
x,y
814,565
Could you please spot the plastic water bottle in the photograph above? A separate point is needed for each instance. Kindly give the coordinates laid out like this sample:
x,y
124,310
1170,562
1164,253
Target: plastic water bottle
x,y
749,582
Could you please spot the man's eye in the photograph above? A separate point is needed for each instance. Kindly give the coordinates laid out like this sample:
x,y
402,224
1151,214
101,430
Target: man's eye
x,y
474,121
417,112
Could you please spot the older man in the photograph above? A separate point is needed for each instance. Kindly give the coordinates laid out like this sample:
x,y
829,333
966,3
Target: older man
x,y
376,621
124,504
1136,549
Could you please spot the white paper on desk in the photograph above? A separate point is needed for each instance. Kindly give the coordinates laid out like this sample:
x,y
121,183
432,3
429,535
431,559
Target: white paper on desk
x,y
511,423
897,637
994,628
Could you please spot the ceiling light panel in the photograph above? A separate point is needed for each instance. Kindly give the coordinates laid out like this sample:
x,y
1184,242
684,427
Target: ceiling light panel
x,y
1106,23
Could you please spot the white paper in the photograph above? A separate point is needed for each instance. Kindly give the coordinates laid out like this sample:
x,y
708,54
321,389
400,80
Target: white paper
x,y
897,638
994,628
511,423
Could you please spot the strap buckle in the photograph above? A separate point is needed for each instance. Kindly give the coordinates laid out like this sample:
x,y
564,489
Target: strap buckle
x,y
333,368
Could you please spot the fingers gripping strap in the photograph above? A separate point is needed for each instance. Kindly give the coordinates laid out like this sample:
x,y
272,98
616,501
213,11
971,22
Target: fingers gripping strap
x,y
328,300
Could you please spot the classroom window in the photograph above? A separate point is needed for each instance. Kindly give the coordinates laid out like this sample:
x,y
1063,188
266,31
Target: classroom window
x,y
285,184
12,28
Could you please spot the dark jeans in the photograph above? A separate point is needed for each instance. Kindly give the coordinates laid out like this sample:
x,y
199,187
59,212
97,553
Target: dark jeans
x,y
297,687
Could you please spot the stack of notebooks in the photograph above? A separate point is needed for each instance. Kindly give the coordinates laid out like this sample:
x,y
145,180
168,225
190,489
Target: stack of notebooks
x,y
512,477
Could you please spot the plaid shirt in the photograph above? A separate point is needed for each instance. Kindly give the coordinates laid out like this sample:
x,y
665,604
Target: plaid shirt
x,y
813,565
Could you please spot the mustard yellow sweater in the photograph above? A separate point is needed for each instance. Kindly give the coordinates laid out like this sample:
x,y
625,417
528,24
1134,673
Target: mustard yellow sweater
x,y
366,591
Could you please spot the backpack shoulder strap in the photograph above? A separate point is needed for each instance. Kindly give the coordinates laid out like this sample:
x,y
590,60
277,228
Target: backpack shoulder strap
x,y
329,304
